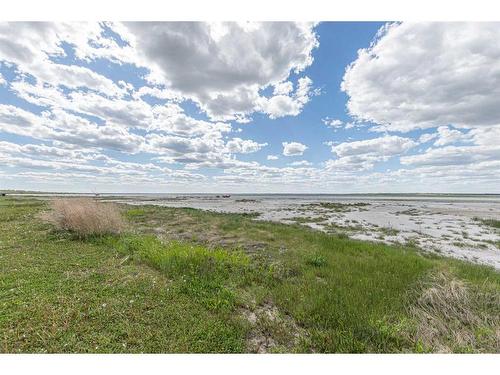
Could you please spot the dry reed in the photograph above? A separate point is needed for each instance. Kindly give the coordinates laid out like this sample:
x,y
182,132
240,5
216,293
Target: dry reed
x,y
85,216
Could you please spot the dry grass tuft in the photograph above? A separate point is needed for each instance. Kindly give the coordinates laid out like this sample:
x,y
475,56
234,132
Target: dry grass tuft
x,y
451,317
85,217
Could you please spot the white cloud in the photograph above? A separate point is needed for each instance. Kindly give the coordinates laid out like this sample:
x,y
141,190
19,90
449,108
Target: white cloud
x,y
485,147
353,163
240,146
86,122
222,67
447,135
169,144
31,46
422,75
61,126
131,113
386,146
362,155
301,163
453,155
283,88
293,148
286,105
424,138
332,123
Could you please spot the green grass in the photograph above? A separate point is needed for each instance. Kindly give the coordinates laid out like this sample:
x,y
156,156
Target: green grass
x,y
338,207
308,219
492,223
207,275
389,231
488,222
190,289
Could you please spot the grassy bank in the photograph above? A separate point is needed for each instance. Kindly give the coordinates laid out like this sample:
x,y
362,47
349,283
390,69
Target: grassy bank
x,y
182,280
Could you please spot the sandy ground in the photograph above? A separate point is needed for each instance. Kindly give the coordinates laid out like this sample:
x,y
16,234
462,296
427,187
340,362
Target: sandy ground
x,y
447,226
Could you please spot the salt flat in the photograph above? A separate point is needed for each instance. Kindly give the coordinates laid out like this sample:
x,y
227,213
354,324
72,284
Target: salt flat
x,y
444,224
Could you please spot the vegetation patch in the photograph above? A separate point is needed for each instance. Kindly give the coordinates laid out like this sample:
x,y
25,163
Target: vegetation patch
x,y
309,219
85,217
409,212
489,222
338,207
454,316
206,274
316,261
184,280
389,231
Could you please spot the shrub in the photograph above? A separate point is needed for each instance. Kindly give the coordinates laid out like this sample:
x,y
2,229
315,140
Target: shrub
x,y
86,217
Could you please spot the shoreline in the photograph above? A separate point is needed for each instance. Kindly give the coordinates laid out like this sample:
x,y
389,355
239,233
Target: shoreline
x,y
452,229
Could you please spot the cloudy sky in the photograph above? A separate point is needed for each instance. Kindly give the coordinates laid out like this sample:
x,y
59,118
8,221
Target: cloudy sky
x,y
250,107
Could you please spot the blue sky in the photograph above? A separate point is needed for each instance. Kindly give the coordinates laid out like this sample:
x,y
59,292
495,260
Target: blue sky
x,y
329,107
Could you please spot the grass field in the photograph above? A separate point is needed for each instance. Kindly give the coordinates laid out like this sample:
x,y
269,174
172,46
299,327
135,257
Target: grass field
x,y
183,280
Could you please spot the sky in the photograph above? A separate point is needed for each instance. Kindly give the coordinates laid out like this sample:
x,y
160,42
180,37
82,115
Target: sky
x,y
326,107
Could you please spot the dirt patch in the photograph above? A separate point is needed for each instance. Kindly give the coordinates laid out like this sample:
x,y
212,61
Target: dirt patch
x,y
272,331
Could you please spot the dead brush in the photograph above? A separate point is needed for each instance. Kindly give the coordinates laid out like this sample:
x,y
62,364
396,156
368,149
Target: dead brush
x,y
452,317
85,217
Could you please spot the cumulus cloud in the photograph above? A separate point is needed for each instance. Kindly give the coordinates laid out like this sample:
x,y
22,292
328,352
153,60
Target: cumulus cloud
x,y
388,145
423,75
484,147
352,163
222,66
32,46
362,155
287,105
65,127
301,163
447,135
293,148
424,138
283,88
243,146
205,151
452,155
74,122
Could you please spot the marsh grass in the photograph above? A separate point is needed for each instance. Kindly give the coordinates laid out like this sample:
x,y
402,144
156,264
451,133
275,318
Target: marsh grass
x,y
492,223
489,222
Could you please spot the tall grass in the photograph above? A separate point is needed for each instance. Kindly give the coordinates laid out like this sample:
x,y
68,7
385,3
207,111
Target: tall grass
x,y
453,316
85,217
